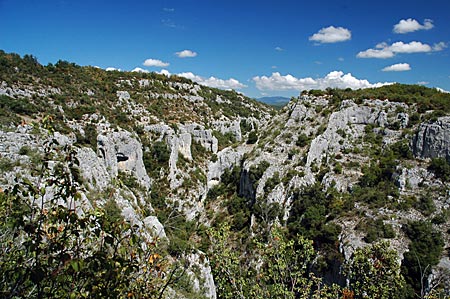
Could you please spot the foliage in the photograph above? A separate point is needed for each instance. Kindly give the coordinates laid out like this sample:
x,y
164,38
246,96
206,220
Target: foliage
x,y
283,269
441,168
256,172
374,272
423,252
224,139
376,229
156,158
50,248
425,98
311,215
302,140
252,137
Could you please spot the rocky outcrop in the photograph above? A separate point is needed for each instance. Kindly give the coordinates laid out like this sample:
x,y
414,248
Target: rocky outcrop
x,y
345,121
432,139
227,126
93,169
121,151
203,281
226,159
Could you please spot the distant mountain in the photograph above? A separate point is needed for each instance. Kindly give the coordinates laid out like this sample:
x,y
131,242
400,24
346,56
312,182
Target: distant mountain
x,y
275,101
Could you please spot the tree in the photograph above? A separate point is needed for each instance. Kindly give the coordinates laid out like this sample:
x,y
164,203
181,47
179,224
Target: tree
x,y
52,247
374,272
424,252
277,268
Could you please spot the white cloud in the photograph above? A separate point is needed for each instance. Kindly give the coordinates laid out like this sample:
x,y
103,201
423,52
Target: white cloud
x,y
442,90
279,49
439,46
411,25
155,62
341,59
186,53
110,69
139,70
331,35
422,83
412,47
335,79
383,50
213,81
164,72
374,53
399,67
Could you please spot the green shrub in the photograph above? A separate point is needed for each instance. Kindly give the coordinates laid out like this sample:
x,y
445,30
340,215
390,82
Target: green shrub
x,y
252,137
441,168
302,140
424,252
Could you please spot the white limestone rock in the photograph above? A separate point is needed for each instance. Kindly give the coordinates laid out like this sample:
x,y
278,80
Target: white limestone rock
x,y
121,151
433,139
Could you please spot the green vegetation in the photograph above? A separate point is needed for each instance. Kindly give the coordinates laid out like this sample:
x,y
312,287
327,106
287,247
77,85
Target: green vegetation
x,y
424,252
86,90
374,272
49,251
252,137
441,168
375,229
425,98
224,140
311,216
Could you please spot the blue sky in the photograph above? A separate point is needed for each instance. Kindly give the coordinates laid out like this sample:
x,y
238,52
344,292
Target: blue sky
x,y
260,48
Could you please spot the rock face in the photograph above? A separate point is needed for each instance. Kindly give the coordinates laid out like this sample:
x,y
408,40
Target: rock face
x,y
432,140
346,121
93,169
226,159
121,151
203,283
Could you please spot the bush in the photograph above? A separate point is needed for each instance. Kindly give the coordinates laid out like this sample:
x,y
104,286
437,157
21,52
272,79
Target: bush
x,y
302,140
252,137
423,253
441,168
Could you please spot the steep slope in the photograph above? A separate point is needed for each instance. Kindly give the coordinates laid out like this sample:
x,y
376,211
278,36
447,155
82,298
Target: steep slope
x,y
347,173
178,160
148,146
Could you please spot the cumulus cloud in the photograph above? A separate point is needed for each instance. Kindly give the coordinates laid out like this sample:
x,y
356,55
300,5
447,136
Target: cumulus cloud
x,y
384,50
442,90
213,81
279,49
331,35
186,53
164,72
411,25
110,69
399,67
335,79
139,70
155,62
412,47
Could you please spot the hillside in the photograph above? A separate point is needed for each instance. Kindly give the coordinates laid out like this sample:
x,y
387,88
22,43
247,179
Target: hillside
x,y
275,101
184,191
